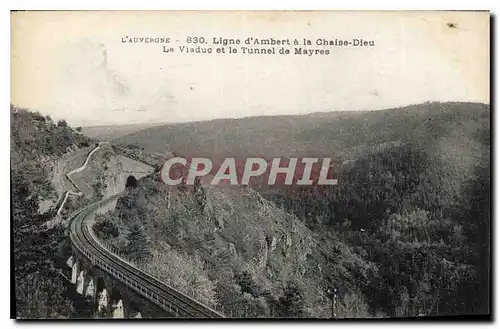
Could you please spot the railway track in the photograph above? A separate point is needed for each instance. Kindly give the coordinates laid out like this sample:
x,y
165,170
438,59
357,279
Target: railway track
x,y
169,299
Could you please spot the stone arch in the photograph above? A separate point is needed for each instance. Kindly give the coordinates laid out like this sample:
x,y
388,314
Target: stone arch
x,y
117,305
102,296
133,308
80,282
75,271
119,310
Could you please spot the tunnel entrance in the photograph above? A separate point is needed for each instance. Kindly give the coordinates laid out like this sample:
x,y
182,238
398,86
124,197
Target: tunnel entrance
x,y
131,181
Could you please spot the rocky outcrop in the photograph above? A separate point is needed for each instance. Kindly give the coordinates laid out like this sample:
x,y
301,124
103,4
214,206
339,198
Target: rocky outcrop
x,y
233,232
130,208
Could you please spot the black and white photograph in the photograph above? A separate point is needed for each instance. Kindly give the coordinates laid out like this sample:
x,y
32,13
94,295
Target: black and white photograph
x,y
245,165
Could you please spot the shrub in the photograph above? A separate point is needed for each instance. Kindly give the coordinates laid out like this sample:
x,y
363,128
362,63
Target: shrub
x,y
62,123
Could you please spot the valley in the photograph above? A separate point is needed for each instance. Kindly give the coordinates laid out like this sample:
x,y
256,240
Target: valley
x,y
412,198
400,209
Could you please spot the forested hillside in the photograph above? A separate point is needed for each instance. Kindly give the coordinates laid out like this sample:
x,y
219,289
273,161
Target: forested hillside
x,y
107,133
411,213
35,142
406,232
419,208
333,134
425,228
233,250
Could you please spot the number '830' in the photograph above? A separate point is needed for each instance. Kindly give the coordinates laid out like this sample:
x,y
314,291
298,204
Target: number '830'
x,y
195,40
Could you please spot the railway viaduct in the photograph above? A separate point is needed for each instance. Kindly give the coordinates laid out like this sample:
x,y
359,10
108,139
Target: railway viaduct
x,y
118,288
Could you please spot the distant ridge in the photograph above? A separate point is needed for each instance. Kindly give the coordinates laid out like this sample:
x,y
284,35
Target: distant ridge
x,y
110,132
310,134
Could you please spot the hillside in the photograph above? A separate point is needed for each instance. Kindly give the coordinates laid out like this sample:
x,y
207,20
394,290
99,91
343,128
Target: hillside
x,y
106,173
232,249
37,143
42,154
405,233
411,211
336,134
110,132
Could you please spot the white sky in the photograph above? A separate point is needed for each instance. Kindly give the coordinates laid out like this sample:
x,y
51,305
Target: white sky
x,y
74,65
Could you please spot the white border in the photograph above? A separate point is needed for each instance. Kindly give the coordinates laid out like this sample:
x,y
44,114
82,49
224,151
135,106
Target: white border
x,y
199,5
252,5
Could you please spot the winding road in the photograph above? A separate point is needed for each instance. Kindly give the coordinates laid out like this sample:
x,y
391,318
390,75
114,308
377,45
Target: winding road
x,y
68,176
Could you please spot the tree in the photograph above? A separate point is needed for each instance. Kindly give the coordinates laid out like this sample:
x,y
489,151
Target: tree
x,y
62,123
247,283
40,297
138,243
107,227
291,304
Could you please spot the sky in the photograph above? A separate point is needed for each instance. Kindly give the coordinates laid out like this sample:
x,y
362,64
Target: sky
x,y
74,65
